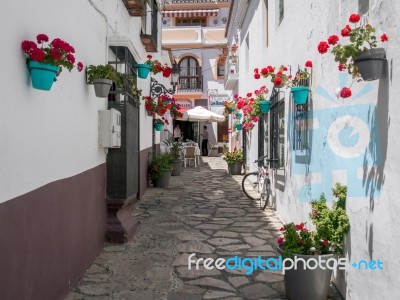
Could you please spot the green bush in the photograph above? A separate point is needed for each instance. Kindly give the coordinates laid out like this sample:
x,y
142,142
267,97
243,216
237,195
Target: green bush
x,y
159,165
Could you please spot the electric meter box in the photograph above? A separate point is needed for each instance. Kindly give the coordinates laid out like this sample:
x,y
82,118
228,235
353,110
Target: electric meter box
x,y
109,128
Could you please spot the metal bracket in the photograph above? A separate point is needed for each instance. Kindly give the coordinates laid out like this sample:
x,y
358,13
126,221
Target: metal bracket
x,y
157,89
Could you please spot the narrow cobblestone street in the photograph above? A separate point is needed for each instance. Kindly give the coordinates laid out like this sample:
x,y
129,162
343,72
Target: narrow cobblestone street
x,y
204,212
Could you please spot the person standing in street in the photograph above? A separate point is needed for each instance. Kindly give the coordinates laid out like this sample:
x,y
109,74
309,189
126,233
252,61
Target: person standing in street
x,y
177,132
204,143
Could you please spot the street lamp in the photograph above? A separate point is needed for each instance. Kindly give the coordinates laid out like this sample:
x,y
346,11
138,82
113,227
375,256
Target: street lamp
x,y
157,89
175,76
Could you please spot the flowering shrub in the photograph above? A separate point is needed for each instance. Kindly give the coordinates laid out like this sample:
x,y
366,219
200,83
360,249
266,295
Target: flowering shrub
x,y
159,165
229,107
233,156
355,40
156,66
175,113
56,53
280,78
331,227
160,107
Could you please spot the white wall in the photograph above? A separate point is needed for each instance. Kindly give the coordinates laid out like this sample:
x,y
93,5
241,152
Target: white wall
x,y
373,213
46,136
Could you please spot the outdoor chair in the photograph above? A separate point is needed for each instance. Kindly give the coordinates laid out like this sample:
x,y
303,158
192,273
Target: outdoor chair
x,y
190,154
212,150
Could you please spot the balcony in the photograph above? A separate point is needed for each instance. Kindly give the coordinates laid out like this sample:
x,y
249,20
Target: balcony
x,y
136,8
231,75
183,36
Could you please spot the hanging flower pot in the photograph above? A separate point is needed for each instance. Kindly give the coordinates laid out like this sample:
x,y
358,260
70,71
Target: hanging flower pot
x,y
43,75
238,115
143,70
102,87
238,127
264,106
300,94
158,126
371,63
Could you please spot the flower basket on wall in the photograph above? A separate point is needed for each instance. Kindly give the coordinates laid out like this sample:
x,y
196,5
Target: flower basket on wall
x,y
265,106
43,75
300,94
102,87
143,70
371,63
239,127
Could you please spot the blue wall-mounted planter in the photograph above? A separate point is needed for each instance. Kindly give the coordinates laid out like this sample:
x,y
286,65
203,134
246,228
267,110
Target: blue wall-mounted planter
x,y
43,75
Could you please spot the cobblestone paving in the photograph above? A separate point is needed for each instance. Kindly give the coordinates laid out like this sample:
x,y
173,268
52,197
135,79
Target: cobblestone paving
x,y
204,212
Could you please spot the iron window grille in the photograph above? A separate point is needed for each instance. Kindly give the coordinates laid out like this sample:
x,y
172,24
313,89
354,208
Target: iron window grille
x,y
277,129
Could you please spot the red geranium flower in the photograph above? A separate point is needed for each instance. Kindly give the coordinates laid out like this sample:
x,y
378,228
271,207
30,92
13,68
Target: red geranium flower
x,y
346,31
345,93
333,39
354,18
384,38
323,47
257,75
308,64
278,80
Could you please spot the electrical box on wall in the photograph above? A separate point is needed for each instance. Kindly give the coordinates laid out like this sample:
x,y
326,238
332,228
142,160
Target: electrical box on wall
x,y
109,128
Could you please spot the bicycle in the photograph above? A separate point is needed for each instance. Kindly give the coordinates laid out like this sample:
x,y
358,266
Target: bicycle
x,y
257,185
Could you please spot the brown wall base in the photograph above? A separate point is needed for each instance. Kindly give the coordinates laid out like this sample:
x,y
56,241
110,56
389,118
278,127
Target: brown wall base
x,y
144,163
49,236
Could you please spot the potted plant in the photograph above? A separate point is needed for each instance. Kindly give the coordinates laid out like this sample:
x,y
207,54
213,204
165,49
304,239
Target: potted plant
x,y
175,149
326,242
298,90
358,53
159,123
102,77
234,159
261,100
229,107
160,169
153,66
45,62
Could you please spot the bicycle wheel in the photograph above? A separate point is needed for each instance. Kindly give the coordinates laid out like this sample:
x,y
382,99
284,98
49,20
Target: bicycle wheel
x,y
250,186
265,194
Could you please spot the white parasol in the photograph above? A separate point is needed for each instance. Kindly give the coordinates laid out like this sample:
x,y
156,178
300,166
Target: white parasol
x,y
200,114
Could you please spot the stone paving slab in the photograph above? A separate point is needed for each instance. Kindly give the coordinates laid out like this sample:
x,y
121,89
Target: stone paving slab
x,y
203,212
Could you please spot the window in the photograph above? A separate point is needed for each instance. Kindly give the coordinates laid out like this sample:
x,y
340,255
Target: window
x,y
301,115
265,19
220,70
277,129
123,61
197,21
190,75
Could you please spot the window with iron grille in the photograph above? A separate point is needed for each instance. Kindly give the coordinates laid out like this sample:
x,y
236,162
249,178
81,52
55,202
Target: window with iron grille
x,y
194,21
301,117
123,61
281,10
190,74
277,129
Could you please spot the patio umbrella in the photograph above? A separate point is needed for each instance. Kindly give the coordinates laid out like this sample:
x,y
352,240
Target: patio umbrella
x,y
200,114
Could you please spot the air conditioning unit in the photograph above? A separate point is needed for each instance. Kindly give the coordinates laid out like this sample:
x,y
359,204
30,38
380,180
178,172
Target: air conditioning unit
x,y
109,128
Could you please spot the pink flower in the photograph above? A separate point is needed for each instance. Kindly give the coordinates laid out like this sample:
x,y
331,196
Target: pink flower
x,y
257,75
281,240
341,67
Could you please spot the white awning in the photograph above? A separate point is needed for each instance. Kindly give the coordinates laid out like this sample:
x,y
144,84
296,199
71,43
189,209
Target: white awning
x,y
191,13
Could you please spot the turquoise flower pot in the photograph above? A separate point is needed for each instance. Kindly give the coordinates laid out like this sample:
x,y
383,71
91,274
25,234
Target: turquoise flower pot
x,y
143,70
158,126
300,94
43,75
264,106
238,127
239,115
